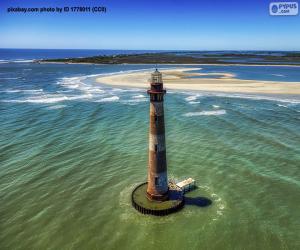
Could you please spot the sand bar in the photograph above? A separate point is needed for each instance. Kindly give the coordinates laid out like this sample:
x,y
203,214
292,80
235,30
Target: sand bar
x,y
180,79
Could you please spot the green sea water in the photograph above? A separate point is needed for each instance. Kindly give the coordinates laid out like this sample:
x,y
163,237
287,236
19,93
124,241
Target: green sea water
x,y
72,150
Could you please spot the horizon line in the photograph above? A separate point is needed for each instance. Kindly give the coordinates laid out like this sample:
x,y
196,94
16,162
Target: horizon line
x,y
208,50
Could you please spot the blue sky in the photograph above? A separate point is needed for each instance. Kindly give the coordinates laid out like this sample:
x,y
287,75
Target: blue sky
x,y
150,24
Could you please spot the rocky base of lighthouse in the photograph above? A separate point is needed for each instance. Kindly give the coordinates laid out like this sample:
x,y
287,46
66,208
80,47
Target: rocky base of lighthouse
x,y
144,205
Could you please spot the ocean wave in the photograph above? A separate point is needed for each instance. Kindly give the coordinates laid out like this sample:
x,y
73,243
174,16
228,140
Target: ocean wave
x,y
277,75
68,80
126,90
9,78
109,99
76,88
216,106
206,113
46,99
79,83
192,102
134,101
30,91
17,61
258,98
191,98
138,97
72,84
291,100
281,105
56,107
70,92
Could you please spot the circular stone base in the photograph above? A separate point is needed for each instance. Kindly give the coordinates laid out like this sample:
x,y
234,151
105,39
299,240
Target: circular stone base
x,y
141,203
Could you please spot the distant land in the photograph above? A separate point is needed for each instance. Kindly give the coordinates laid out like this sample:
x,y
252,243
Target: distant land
x,y
190,57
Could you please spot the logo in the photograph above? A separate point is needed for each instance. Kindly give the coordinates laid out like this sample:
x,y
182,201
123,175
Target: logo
x,y
274,8
283,9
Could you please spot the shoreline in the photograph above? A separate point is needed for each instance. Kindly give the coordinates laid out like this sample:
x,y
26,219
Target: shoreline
x,y
179,79
170,64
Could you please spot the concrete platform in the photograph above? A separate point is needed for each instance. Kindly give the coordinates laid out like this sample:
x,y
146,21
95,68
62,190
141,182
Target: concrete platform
x,y
187,185
159,208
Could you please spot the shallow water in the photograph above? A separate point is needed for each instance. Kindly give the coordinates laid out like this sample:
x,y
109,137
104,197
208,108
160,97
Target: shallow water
x,y
71,151
261,73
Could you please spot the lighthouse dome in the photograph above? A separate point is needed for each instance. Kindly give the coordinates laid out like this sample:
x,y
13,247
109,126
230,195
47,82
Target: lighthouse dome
x,y
156,77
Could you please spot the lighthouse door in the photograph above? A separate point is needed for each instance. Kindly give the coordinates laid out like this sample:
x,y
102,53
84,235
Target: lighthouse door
x,y
156,181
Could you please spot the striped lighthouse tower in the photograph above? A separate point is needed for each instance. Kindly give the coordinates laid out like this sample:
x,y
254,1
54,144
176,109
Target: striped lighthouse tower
x,y
157,188
157,196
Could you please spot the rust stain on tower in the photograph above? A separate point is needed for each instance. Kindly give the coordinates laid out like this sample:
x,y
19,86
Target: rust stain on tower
x,y
157,188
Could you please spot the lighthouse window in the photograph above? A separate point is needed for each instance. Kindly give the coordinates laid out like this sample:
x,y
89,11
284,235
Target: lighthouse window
x,y
155,118
155,147
156,181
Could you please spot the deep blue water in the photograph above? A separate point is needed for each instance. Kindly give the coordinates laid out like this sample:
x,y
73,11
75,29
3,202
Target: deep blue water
x,y
30,54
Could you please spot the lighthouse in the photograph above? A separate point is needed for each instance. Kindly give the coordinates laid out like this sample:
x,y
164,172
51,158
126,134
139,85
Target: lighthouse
x,y
157,188
157,196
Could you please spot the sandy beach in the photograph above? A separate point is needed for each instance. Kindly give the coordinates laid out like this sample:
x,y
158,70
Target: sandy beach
x,y
181,79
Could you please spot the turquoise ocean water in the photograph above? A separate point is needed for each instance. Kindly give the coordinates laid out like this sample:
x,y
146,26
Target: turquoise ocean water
x,y
71,150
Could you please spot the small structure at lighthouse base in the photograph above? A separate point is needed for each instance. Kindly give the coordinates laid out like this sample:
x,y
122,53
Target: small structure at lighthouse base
x,y
187,185
143,204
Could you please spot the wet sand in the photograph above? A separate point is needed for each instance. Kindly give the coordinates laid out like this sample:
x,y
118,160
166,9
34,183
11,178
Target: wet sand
x,y
181,79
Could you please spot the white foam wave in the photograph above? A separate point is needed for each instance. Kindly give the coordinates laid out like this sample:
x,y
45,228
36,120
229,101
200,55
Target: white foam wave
x,y
26,91
277,75
17,61
134,101
206,113
246,96
191,98
76,88
71,84
138,97
216,106
57,107
10,91
77,81
281,105
97,90
219,212
268,98
64,91
44,99
109,99
77,84
192,102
